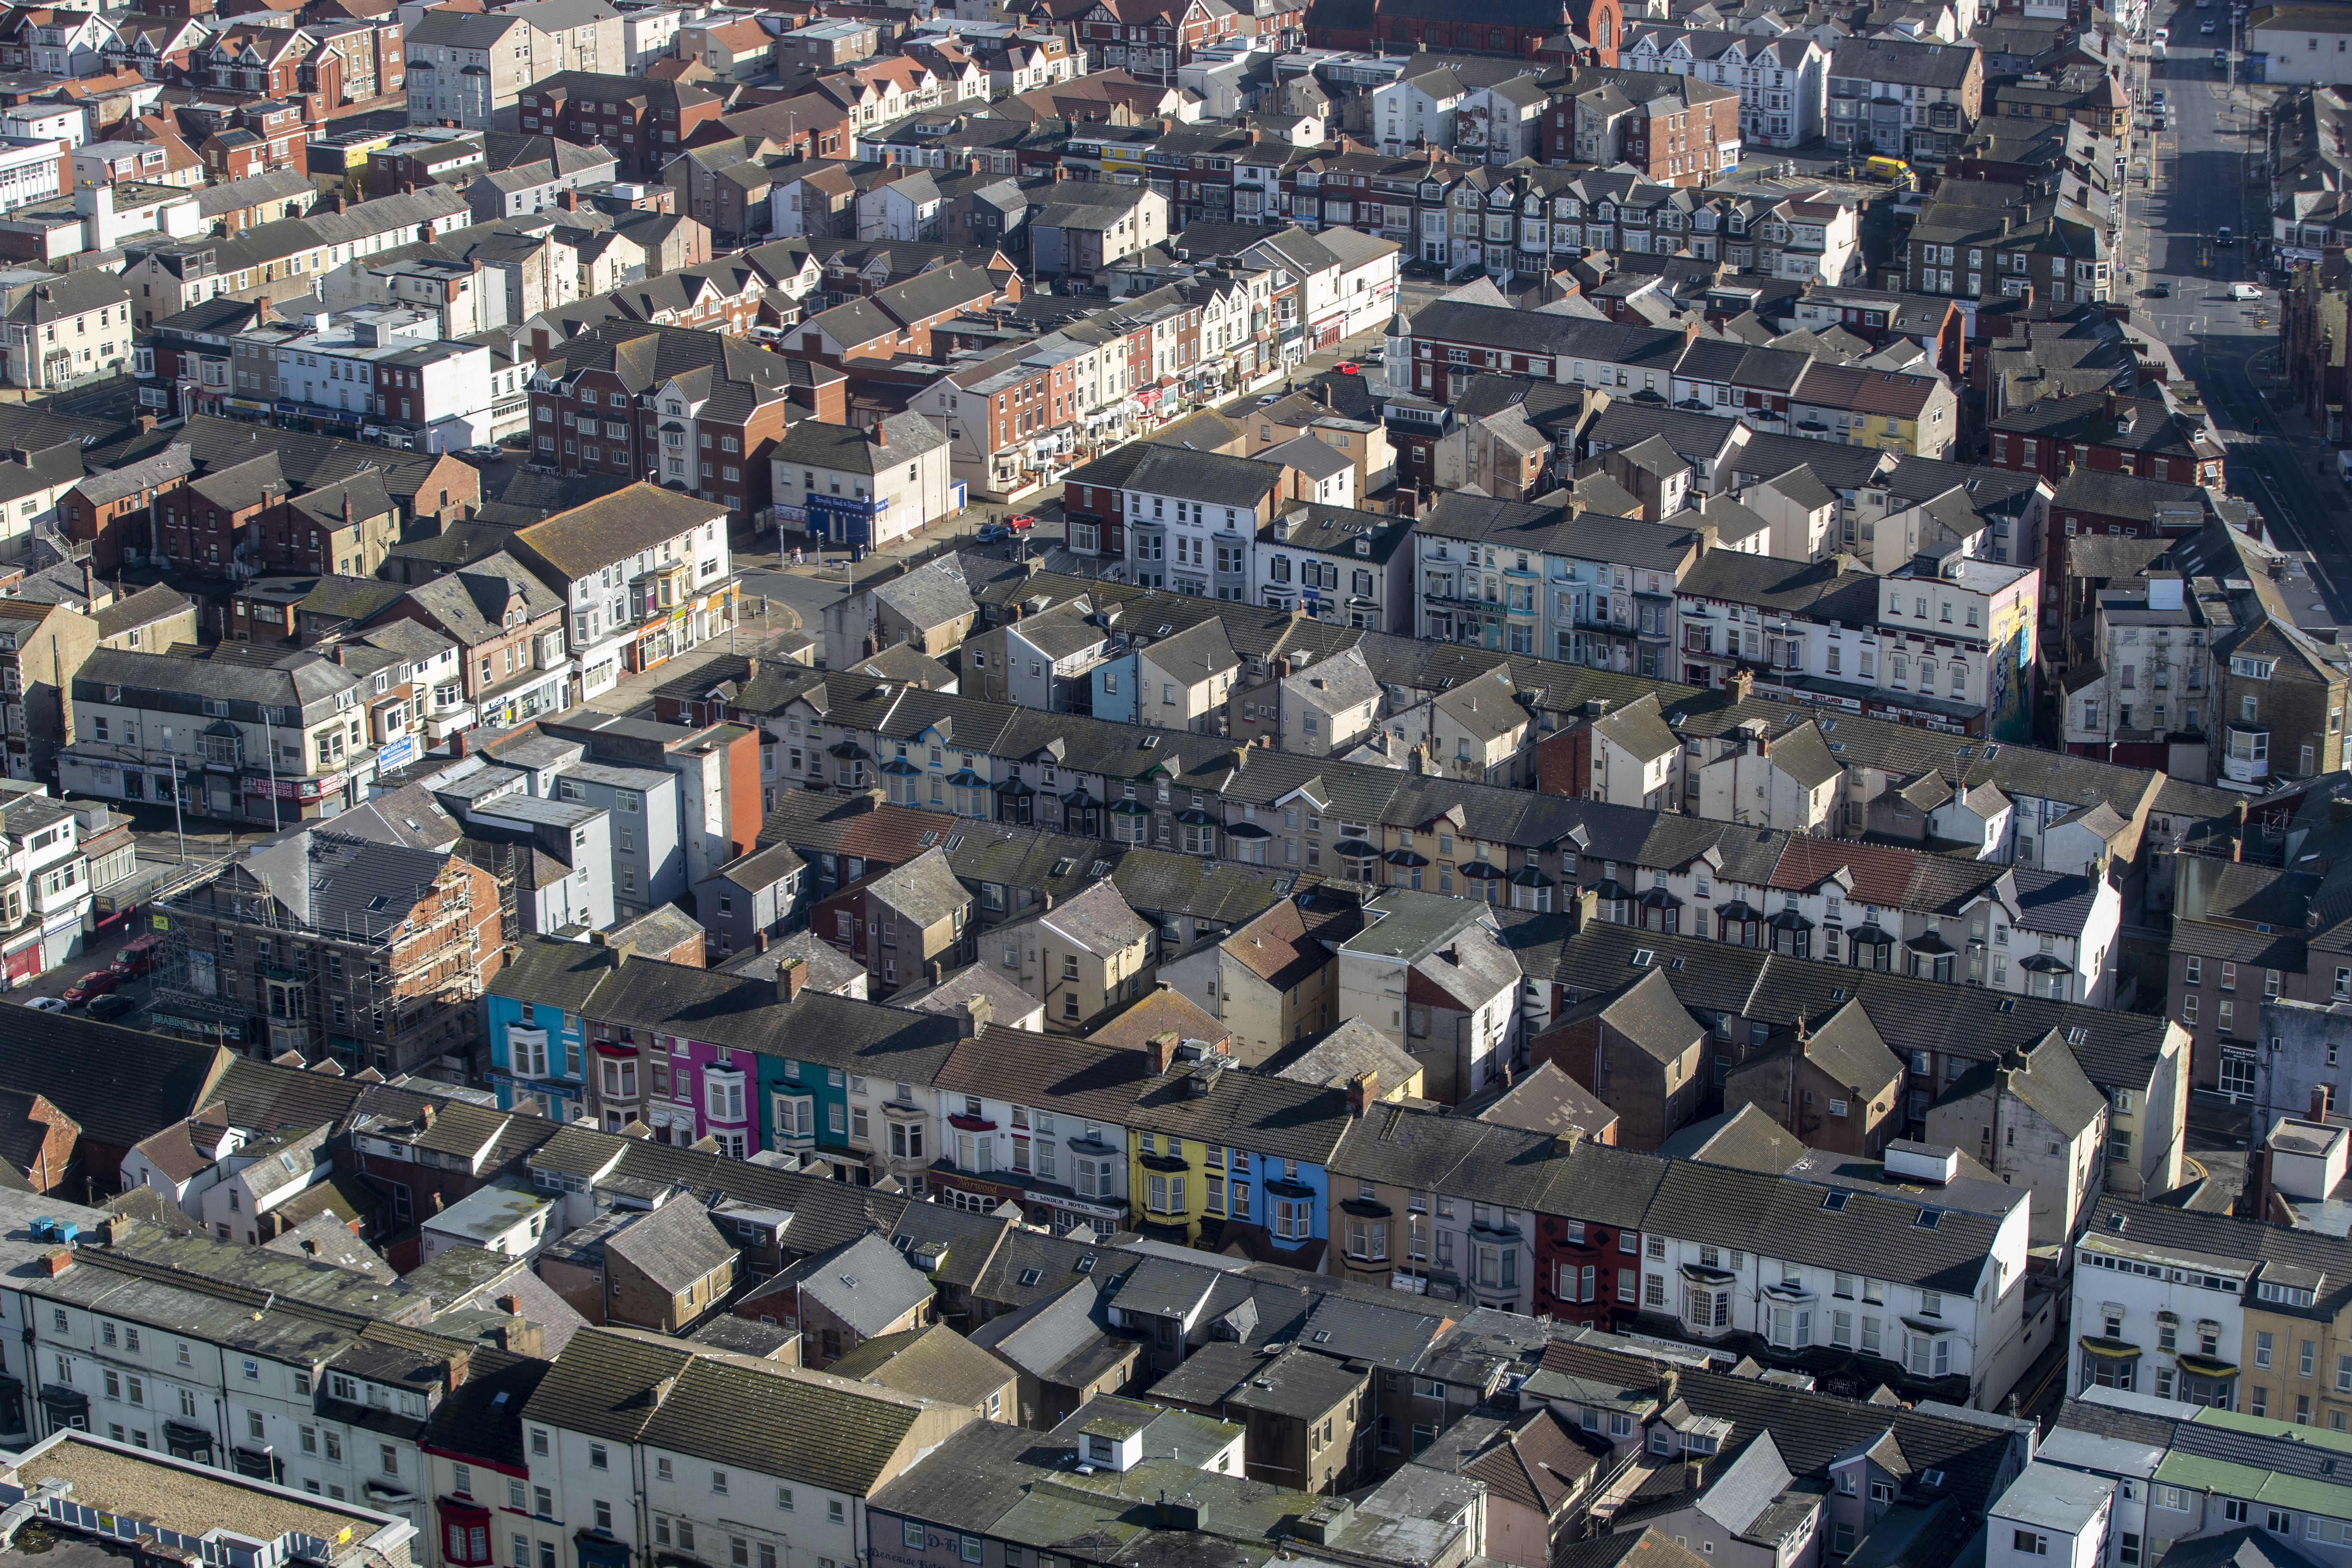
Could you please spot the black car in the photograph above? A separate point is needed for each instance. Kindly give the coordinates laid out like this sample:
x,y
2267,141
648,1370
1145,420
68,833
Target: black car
x,y
2161,291
113,1005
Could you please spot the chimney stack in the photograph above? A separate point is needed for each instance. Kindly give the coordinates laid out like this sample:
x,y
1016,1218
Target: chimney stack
x,y
1363,1093
790,975
1160,1050
977,1012
426,1114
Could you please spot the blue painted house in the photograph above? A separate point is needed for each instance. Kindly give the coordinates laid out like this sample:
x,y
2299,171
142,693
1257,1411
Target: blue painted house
x,y
1114,688
532,1013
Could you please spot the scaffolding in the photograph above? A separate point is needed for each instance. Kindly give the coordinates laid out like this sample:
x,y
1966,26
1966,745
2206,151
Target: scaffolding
x,y
390,992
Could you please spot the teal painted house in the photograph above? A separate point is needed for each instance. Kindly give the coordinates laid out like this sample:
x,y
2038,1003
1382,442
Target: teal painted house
x,y
803,1105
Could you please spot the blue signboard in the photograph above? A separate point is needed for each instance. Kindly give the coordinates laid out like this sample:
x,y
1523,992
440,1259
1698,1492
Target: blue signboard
x,y
845,520
399,754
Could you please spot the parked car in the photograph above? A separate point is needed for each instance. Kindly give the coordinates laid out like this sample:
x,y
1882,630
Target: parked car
x,y
137,956
1020,521
992,533
97,983
1348,367
2158,98
112,1007
2161,291
489,453
46,1005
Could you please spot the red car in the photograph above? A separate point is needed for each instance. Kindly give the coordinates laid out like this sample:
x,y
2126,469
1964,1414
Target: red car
x,y
1020,523
1348,367
97,983
138,957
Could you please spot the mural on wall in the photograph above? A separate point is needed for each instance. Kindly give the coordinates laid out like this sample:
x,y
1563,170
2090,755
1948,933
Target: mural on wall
x,y
2009,715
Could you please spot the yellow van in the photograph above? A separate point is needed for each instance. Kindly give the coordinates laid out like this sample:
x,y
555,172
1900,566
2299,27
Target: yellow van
x,y
1894,171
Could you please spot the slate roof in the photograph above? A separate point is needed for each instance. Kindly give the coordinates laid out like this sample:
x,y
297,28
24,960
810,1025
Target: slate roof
x,y
1098,920
924,890
1431,1151
1339,1055
1068,1077
675,1246
1647,1013
867,1284
930,1362
469,604
594,535
631,1387
1810,1430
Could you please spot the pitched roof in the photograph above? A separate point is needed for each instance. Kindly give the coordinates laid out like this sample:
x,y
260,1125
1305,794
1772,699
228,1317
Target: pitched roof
x,y
866,1283
674,1246
589,537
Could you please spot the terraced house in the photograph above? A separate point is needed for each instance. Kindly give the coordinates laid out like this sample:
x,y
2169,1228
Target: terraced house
x,y
640,1407
1225,1157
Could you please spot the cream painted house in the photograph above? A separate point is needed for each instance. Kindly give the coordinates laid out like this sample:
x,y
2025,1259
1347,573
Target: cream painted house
x,y
1269,983
1081,958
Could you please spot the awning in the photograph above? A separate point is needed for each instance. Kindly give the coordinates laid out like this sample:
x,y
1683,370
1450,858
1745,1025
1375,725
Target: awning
x,y
1486,871
2205,1366
1929,943
1790,919
1014,786
1738,910
1406,858
1246,830
1528,876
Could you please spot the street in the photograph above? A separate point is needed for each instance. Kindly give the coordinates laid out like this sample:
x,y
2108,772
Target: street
x,y
808,587
2206,171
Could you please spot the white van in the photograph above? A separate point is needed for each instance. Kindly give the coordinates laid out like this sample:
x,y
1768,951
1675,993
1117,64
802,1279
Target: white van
x,y
2244,291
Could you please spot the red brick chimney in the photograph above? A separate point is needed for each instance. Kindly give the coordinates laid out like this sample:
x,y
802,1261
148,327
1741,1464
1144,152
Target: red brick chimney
x,y
1363,1093
1160,1050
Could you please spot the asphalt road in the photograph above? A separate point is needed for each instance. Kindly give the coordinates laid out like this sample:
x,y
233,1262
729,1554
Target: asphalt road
x,y
2206,173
